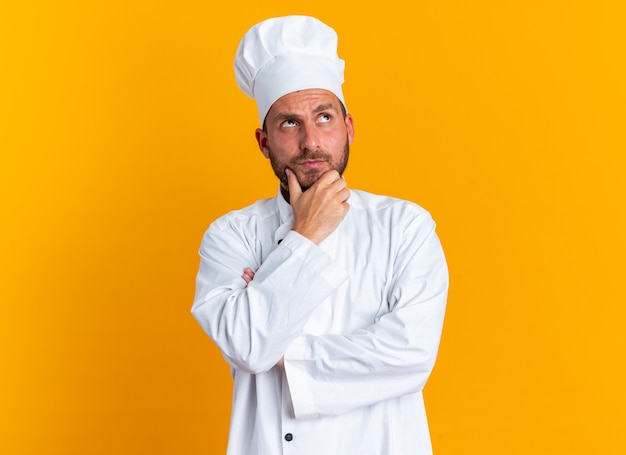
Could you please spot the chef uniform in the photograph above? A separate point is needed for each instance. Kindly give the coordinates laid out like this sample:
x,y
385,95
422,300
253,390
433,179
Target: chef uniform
x,y
357,318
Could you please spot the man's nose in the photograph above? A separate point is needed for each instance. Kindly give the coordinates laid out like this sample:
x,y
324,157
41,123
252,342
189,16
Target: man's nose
x,y
309,137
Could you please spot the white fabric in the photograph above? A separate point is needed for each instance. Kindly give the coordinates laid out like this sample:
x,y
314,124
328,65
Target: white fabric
x,y
357,318
285,54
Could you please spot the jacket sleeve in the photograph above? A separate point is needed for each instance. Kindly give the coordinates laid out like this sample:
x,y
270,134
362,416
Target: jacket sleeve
x,y
334,373
253,325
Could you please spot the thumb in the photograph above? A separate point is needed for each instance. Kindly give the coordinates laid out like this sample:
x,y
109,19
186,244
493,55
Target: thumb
x,y
294,186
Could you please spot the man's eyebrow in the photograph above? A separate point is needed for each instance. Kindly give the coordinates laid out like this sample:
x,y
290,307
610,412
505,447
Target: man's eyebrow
x,y
283,116
325,107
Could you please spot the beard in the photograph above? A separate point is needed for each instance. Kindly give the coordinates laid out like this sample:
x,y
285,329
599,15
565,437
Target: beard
x,y
307,177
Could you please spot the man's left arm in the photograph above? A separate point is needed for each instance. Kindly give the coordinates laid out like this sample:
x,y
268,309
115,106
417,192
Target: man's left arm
x,y
335,373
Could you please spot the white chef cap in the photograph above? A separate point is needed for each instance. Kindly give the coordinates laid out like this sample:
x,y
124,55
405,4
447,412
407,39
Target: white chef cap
x,y
286,54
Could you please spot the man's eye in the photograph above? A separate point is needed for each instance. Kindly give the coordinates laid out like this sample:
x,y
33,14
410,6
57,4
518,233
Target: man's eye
x,y
324,118
289,123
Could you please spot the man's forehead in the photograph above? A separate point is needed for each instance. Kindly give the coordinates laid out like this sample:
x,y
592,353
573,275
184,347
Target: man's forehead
x,y
309,100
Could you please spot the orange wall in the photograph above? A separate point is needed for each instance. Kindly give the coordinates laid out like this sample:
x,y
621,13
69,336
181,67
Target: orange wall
x,y
123,135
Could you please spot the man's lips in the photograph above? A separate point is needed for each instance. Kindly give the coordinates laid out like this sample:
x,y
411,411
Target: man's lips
x,y
312,164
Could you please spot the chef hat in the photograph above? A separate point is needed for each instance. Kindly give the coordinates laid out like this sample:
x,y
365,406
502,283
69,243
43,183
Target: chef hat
x,y
286,54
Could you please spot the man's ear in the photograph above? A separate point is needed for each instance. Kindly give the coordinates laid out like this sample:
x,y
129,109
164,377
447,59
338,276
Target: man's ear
x,y
261,140
350,128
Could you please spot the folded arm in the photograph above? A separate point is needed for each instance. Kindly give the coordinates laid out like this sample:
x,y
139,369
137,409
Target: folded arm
x,y
335,373
253,322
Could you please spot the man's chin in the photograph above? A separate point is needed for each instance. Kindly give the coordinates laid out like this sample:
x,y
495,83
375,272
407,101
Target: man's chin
x,y
304,181
308,180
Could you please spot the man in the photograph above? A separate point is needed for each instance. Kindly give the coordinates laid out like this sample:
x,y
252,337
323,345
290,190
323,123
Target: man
x,y
326,302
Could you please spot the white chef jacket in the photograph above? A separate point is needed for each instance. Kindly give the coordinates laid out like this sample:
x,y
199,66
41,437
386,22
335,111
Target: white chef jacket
x,y
358,320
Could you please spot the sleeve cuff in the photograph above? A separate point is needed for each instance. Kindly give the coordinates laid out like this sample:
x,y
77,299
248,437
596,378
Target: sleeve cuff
x,y
298,379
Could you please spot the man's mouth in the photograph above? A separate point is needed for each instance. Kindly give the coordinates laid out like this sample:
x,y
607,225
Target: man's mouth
x,y
312,164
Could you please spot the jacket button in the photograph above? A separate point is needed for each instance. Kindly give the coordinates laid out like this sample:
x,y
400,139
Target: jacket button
x,y
288,437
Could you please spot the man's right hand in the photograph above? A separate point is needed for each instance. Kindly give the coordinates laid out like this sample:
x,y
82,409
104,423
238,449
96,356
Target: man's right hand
x,y
318,211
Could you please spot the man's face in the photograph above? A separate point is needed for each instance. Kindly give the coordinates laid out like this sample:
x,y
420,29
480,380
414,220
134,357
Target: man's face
x,y
307,133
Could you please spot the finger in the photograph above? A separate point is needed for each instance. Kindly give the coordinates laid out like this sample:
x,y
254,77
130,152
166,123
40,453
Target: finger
x,y
248,275
339,185
343,195
330,177
294,186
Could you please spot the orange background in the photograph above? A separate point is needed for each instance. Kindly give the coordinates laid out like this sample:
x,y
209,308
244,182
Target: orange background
x,y
123,135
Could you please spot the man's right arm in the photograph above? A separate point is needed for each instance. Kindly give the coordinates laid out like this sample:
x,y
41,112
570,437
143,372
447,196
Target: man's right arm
x,y
254,323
